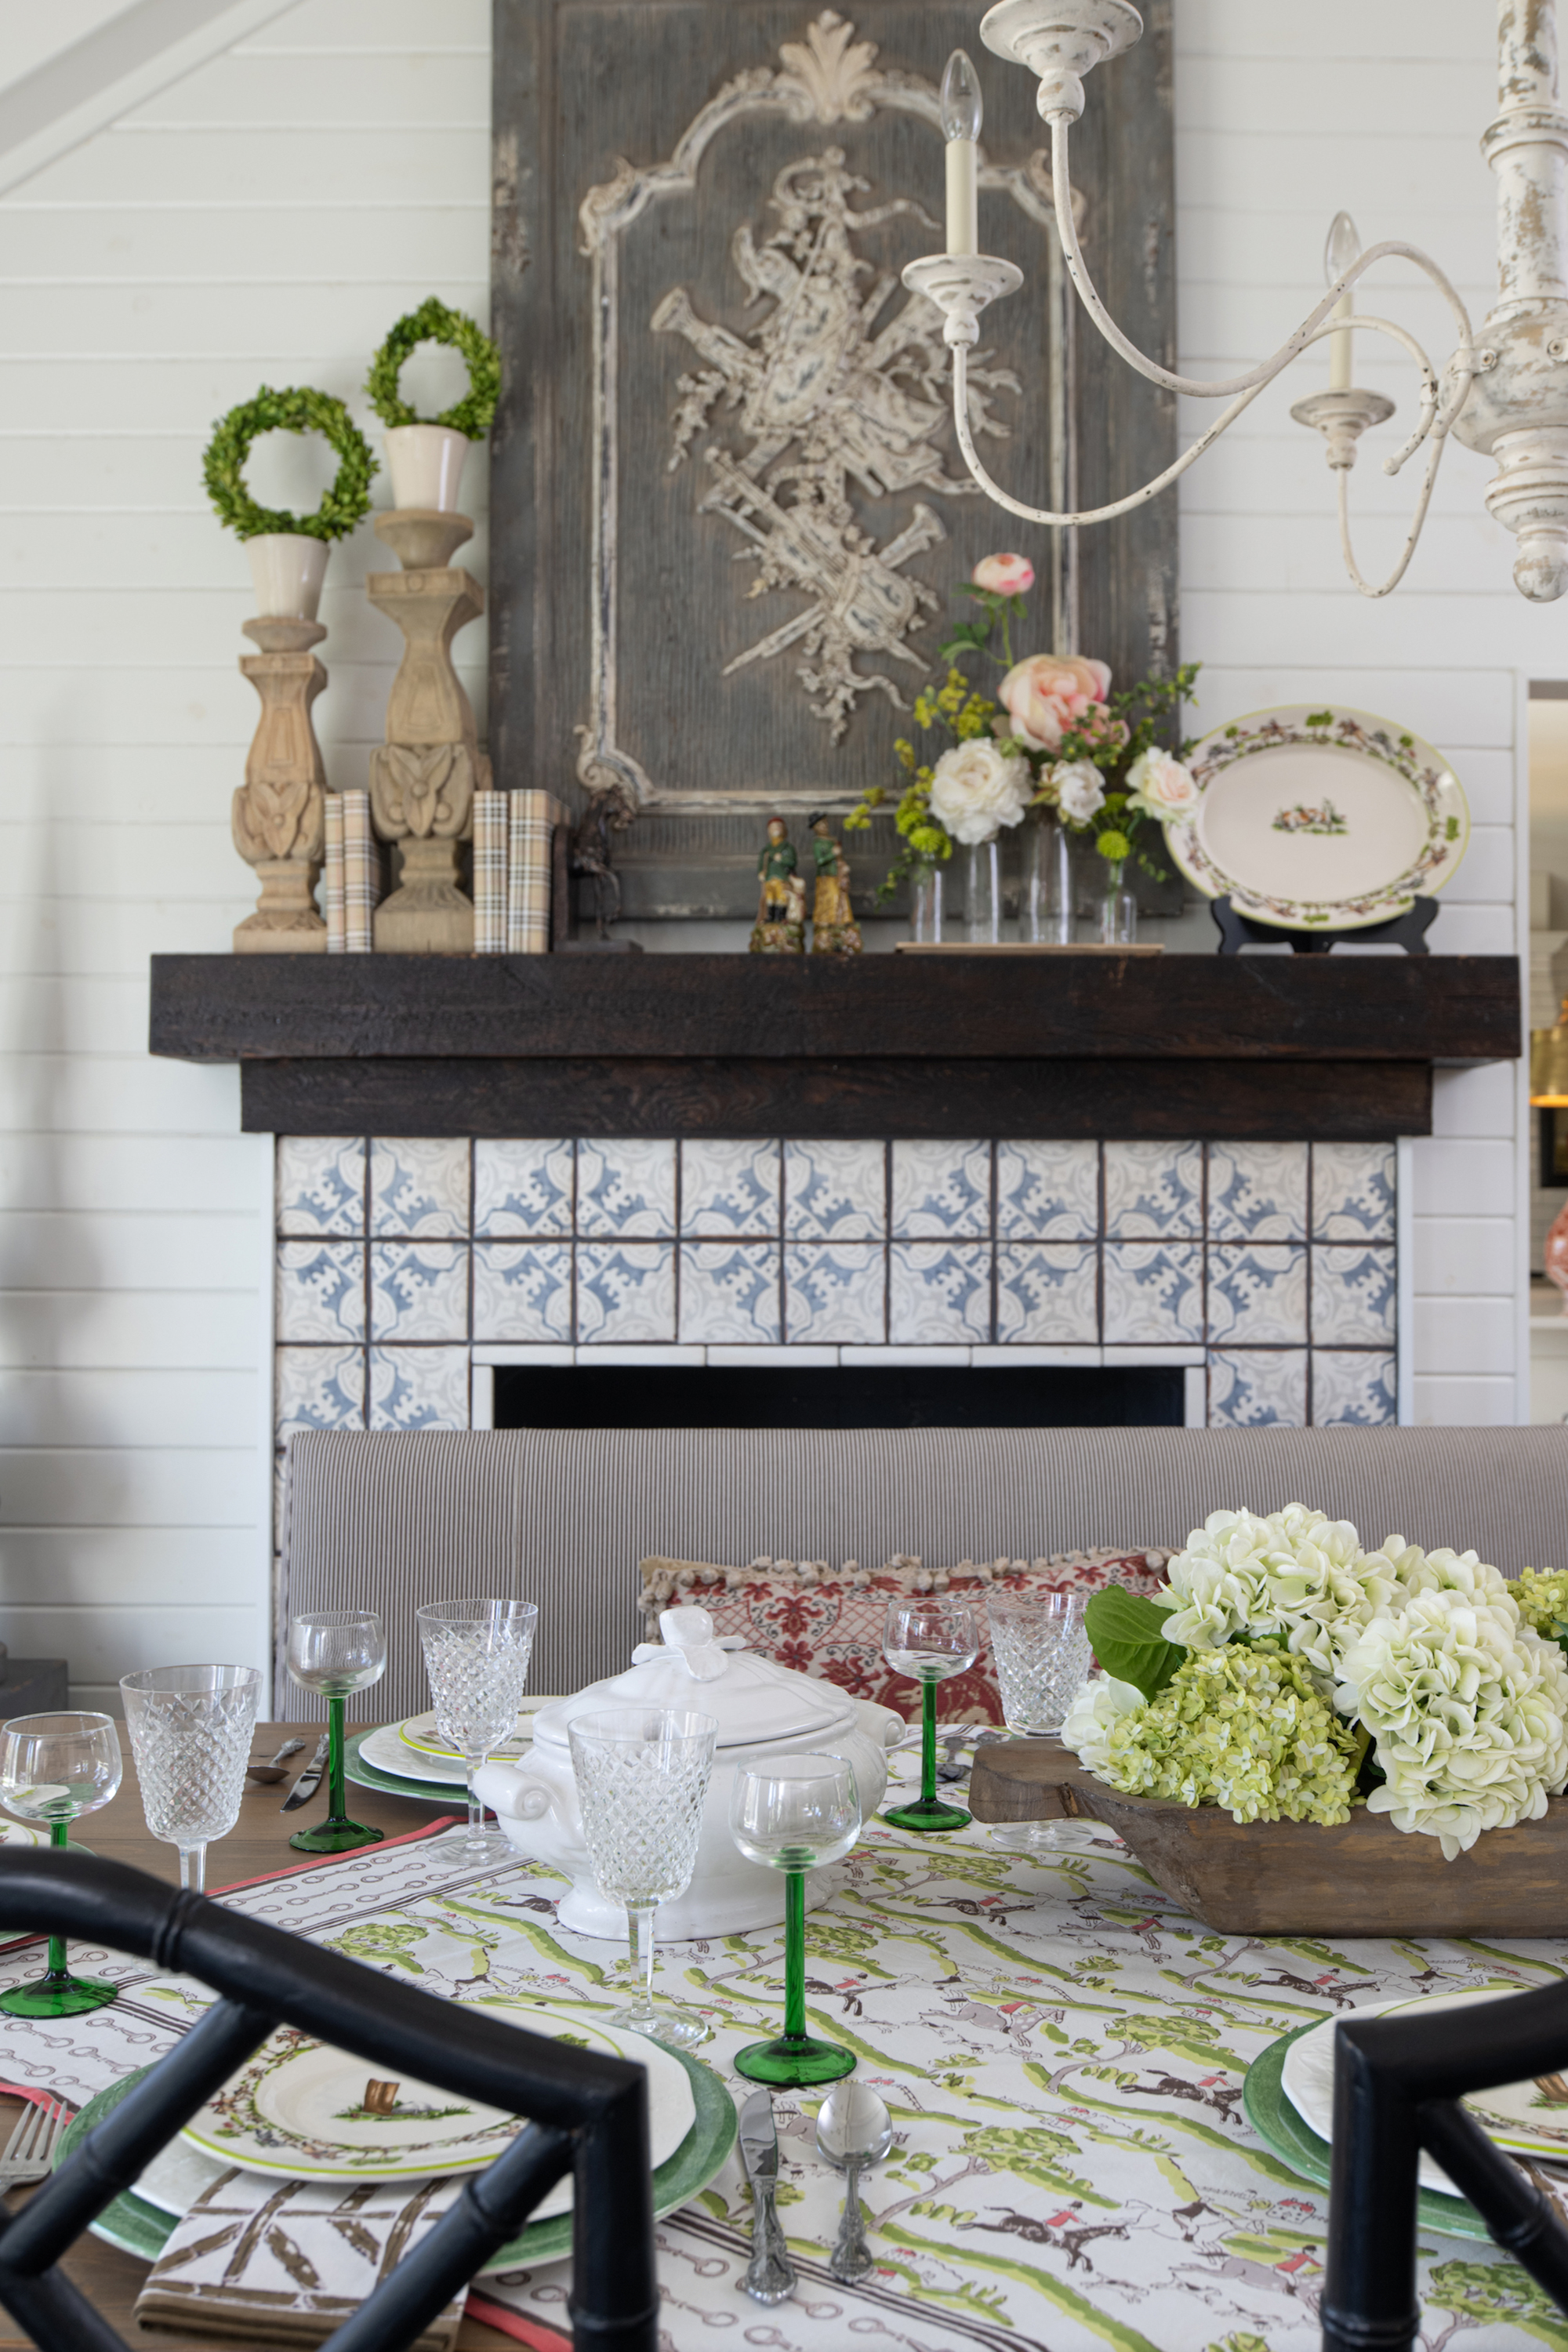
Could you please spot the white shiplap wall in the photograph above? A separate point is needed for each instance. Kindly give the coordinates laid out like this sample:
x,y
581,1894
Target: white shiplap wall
x,y
265,219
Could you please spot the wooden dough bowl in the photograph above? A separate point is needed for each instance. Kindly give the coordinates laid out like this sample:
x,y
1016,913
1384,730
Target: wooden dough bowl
x,y
1295,1878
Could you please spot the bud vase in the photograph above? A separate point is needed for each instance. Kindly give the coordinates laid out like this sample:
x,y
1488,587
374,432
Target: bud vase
x,y
983,893
1118,908
1046,894
925,901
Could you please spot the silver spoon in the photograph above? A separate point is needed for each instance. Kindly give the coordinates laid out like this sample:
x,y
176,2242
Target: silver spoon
x,y
853,2131
266,1773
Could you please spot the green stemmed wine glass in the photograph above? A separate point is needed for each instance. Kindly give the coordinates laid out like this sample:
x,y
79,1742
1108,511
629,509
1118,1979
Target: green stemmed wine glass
x,y
336,1652
793,1813
931,1638
54,1768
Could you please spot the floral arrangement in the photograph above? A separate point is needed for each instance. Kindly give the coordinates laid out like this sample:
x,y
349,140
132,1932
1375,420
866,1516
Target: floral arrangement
x,y
1290,1674
1054,739
297,410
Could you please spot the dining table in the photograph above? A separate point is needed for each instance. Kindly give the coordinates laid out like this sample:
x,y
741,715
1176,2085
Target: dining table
x,y
1062,2049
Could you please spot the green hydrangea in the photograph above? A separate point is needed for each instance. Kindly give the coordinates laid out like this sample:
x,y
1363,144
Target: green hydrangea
x,y
1542,1597
1240,1727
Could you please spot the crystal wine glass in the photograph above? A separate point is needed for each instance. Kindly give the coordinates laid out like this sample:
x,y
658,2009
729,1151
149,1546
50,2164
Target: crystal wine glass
x,y
642,1779
191,1729
793,1813
1041,1647
931,1638
54,1768
476,1655
336,1652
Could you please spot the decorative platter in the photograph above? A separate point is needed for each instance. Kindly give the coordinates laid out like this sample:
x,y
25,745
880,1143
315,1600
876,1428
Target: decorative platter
x,y
1319,818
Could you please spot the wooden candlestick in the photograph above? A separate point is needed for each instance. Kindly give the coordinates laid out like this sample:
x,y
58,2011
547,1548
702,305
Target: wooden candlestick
x,y
279,816
423,779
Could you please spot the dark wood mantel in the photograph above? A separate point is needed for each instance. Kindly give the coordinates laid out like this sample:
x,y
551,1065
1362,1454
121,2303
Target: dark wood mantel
x,y
1339,1046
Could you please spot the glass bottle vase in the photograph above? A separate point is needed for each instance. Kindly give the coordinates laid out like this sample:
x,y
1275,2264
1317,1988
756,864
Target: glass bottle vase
x,y
1046,892
983,893
1118,908
926,902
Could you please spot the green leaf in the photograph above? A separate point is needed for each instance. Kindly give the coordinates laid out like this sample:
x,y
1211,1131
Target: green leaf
x,y
1127,1635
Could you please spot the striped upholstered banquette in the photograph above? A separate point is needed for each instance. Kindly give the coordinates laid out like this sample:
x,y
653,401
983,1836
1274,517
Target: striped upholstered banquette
x,y
390,1517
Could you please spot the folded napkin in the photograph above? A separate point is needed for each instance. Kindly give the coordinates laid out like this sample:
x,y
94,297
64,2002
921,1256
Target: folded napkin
x,y
286,2261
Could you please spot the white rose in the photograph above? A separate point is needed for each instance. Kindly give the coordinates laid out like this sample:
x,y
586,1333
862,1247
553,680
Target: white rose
x,y
977,790
1079,792
1161,786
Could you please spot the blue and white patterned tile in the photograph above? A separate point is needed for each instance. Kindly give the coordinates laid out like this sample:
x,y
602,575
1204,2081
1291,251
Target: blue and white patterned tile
x,y
320,1290
938,1294
1258,1192
418,1186
318,1388
1153,1291
321,1184
1153,1190
419,1290
835,1192
1047,1292
1255,1390
523,1187
730,1294
1047,1191
1355,1294
419,1388
942,1190
1258,1294
730,1189
1356,1388
626,1291
1352,1192
626,1187
835,1293
522,1290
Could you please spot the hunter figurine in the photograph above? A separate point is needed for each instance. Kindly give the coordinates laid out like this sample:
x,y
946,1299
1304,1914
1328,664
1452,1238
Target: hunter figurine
x,y
834,930
780,927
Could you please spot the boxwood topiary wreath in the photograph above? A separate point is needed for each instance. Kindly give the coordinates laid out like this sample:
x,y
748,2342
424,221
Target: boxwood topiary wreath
x,y
433,323
297,410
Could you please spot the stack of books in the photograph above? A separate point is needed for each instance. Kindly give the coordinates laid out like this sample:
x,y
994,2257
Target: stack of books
x,y
353,879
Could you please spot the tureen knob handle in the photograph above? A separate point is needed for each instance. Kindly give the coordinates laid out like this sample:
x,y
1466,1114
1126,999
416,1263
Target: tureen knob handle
x,y
690,1631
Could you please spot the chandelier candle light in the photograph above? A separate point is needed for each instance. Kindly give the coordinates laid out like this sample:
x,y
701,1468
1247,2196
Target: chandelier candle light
x,y
1505,394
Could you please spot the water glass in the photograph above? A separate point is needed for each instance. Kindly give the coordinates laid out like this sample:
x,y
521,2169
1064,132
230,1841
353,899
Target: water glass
x,y
336,1652
1042,1651
642,1779
54,1768
795,1813
477,1655
191,1729
929,1638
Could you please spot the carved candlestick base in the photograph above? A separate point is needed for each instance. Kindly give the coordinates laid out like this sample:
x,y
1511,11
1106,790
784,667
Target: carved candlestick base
x,y
279,814
423,778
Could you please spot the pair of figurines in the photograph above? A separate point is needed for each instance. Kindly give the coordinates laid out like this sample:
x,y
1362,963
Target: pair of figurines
x,y
780,927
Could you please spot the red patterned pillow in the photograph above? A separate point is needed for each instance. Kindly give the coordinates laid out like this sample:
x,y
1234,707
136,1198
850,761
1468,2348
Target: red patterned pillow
x,y
828,1622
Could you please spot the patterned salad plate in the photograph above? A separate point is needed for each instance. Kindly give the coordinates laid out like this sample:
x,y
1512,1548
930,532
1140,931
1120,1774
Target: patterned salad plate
x,y
1319,818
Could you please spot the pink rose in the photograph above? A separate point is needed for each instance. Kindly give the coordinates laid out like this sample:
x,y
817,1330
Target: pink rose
x,y
1004,575
1050,693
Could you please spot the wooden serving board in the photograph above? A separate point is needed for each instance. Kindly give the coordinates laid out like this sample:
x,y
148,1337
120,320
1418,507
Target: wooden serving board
x,y
1295,1878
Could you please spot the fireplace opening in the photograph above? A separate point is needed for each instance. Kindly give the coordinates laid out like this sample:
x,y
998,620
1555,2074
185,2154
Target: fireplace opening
x,y
849,1396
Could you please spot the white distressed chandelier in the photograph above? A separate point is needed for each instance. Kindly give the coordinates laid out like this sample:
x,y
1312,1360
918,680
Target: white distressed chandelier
x,y
1506,395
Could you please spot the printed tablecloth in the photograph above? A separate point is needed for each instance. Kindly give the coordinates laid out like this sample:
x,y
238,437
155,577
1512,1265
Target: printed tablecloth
x,y
1063,2053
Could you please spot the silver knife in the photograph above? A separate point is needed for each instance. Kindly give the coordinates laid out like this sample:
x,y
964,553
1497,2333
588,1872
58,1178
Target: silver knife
x,y
769,2276
309,1780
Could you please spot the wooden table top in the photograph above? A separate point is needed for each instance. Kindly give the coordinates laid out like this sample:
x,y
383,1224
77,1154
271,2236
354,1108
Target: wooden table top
x,y
257,1844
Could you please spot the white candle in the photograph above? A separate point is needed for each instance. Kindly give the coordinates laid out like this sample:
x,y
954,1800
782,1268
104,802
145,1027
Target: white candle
x,y
963,112
1340,252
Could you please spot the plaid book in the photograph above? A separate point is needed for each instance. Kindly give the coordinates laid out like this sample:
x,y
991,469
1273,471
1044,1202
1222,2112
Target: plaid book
x,y
332,892
361,873
534,816
490,873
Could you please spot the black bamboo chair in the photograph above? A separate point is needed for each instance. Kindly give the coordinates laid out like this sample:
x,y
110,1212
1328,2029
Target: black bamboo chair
x,y
1397,2085
589,2113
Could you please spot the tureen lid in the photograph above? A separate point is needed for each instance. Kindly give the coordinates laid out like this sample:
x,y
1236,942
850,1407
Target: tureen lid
x,y
753,1700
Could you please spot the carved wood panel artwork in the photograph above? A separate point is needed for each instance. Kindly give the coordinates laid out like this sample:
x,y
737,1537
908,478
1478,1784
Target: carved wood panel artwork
x,y
728,509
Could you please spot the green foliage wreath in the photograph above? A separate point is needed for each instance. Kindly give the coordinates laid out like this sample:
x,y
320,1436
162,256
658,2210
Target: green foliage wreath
x,y
433,323
297,410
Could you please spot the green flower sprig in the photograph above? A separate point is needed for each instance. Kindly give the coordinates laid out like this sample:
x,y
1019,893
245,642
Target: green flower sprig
x,y
299,409
957,710
433,322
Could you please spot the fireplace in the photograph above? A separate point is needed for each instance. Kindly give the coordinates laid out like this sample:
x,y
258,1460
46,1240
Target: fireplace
x,y
841,1396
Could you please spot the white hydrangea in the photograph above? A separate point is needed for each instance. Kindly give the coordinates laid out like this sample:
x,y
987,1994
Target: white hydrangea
x,y
1097,1705
1293,1574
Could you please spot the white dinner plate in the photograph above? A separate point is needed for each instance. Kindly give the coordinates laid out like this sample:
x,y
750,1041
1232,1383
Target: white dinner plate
x,y
420,1733
1320,818
384,1749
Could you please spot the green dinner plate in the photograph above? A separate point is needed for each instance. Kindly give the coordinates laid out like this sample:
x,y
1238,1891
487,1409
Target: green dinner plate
x,y
371,1775
1278,2125
137,2228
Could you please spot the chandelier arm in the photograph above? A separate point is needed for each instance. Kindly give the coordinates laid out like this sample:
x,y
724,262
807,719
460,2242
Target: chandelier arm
x,y
1266,370
1429,407
1434,459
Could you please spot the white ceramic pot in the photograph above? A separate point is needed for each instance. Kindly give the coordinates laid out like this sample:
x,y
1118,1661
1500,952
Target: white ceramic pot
x,y
287,569
760,1708
426,462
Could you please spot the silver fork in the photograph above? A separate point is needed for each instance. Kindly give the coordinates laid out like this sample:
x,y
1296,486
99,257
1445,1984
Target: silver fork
x,y
29,2152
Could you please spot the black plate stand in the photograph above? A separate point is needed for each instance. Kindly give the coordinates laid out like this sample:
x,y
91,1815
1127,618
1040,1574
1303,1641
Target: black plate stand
x,y
1408,931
